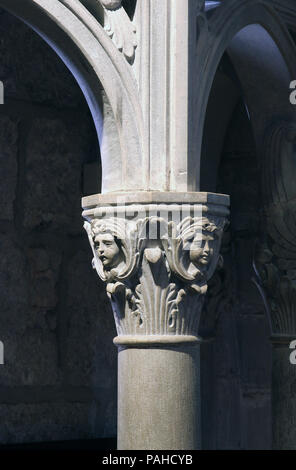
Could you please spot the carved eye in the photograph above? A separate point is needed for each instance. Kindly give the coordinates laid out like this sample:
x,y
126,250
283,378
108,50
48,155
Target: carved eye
x,y
188,242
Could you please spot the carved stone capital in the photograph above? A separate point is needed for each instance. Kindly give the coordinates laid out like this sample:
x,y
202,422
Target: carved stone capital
x,y
156,259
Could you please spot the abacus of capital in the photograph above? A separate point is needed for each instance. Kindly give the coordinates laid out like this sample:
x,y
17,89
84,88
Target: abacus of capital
x,y
156,258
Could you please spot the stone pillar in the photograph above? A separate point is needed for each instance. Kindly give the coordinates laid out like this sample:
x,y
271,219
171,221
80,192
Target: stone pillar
x,y
275,267
158,395
283,396
156,252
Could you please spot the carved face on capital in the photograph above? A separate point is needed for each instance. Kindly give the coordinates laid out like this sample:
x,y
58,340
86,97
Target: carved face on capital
x,y
201,249
200,244
107,249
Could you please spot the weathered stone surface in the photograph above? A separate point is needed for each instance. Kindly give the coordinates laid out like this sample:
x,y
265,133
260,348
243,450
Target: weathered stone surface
x,y
44,270
256,419
227,414
42,77
237,366
53,176
283,399
8,166
103,414
247,295
168,414
13,286
90,353
157,286
44,143
45,422
255,361
29,358
226,359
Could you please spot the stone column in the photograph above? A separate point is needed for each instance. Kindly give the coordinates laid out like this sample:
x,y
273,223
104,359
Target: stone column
x,y
283,396
275,267
279,295
156,252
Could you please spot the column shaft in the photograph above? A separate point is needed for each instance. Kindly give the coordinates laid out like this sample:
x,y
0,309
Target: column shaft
x,y
283,399
159,398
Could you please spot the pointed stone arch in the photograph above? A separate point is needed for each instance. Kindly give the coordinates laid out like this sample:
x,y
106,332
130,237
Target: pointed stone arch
x,y
263,56
233,28
83,45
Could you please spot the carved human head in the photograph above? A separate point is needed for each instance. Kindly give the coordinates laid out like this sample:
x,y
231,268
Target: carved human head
x,y
200,241
107,244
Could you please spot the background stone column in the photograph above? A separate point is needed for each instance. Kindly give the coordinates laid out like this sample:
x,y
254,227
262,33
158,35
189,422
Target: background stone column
x,y
275,267
283,396
156,256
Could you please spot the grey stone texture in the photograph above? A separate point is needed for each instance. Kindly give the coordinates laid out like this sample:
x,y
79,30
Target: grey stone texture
x,y
157,422
29,72
284,402
59,377
40,422
8,157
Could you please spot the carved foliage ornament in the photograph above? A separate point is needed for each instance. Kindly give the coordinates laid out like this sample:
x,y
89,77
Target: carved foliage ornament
x,y
153,282
120,28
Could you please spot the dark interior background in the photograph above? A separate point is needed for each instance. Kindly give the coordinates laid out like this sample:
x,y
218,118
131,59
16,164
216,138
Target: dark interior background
x,y
237,364
59,377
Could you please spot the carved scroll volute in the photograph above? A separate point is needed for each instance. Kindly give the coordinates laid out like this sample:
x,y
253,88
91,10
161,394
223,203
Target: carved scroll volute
x,y
120,28
193,249
114,245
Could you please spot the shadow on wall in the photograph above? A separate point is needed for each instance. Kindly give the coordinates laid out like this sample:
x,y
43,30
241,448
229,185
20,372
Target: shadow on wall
x,y
59,377
237,377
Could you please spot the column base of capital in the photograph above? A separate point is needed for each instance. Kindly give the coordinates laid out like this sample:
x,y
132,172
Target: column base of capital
x,y
140,341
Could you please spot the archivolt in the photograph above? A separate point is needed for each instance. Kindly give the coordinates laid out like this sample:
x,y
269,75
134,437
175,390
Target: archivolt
x,y
81,42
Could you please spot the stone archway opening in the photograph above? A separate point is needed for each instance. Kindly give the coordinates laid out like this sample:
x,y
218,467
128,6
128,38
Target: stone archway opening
x,y
240,376
248,106
58,381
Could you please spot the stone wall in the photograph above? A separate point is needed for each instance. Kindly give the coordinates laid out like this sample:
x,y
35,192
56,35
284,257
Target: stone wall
x,y
59,377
